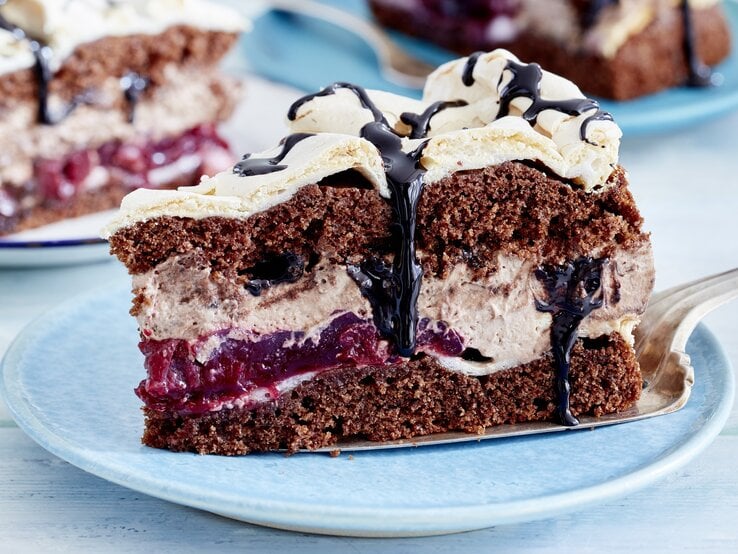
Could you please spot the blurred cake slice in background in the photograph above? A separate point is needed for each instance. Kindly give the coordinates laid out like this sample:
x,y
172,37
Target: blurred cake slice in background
x,y
618,49
98,98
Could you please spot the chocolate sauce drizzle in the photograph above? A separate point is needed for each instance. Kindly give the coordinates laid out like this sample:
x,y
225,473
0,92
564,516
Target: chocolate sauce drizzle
x,y
467,75
574,291
526,83
133,85
249,166
392,290
360,93
420,123
282,268
592,13
42,54
699,74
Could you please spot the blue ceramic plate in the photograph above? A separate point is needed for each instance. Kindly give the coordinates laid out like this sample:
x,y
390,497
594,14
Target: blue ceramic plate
x,y
69,378
309,55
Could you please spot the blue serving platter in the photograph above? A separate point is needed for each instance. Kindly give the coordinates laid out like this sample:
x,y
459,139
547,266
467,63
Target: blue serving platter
x,y
309,55
68,380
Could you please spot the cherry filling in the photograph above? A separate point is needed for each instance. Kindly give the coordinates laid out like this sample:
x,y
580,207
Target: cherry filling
x,y
178,382
127,164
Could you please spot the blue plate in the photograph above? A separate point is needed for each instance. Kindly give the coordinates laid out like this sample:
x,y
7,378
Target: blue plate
x,y
309,54
69,377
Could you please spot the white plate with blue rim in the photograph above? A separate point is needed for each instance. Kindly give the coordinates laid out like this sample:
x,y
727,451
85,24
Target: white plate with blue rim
x,y
82,408
309,54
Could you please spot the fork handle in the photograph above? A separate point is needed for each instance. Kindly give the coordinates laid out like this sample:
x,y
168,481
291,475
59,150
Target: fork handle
x,y
674,313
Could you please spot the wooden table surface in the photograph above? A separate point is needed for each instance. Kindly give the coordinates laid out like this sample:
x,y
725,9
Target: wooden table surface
x,y
686,185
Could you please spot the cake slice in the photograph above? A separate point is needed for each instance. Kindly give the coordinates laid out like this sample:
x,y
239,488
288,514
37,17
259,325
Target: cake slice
x,y
618,49
394,268
98,98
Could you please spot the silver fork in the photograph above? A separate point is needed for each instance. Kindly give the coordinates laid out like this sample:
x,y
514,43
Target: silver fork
x,y
661,339
671,317
395,64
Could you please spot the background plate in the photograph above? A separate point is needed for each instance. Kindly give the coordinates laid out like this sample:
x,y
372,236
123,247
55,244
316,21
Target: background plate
x,y
81,407
309,54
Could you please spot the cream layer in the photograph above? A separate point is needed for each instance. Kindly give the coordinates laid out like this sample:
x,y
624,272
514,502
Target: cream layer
x,y
497,314
187,100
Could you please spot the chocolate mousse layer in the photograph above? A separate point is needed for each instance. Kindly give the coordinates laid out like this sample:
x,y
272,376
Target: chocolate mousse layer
x,y
417,397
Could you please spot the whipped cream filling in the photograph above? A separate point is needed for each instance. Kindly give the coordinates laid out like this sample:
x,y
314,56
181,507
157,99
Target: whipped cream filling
x,y
64,25
496,315
581,148
184,102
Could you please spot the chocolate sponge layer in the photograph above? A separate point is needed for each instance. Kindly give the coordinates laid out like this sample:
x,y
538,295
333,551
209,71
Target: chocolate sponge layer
x,y
469,217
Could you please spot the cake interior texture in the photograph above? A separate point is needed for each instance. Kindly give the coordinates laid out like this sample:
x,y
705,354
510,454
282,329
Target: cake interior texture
x,y
619,49
353,283
97,100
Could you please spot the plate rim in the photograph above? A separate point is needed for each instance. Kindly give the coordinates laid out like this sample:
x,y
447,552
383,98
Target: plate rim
x,y
349,521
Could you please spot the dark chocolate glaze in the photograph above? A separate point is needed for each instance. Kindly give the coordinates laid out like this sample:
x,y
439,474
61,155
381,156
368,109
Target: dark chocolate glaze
x,y
420,123
699,74
467,76
526,83
474,355
42,54
249,166
133,85
392,290
574,291
593,10
282,268
360,93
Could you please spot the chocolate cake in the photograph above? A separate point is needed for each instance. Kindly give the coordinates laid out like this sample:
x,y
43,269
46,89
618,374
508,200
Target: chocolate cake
x,y
394,268
618,49
98,98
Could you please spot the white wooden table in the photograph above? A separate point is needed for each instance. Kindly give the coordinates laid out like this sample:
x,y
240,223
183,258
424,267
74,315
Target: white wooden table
x,y
687,187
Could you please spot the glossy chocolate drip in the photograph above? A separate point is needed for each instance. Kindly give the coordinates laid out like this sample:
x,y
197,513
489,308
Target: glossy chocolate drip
x,y
133,85
526,83
360,93
249,166
574,291
284,268
42,54
467,76
420,123
699,74
392,290
593,11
